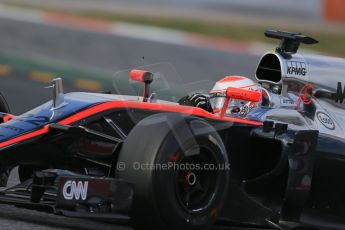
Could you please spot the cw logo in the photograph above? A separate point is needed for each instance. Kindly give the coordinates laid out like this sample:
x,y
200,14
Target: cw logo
x,y
73,190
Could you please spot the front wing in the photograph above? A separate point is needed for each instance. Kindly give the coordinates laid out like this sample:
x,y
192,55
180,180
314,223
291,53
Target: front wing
x,y
65,193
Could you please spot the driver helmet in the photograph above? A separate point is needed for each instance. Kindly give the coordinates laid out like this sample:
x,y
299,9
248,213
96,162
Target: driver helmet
x,y
235,106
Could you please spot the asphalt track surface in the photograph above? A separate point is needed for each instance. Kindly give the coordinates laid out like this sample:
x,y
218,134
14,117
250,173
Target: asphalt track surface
x,y
99,50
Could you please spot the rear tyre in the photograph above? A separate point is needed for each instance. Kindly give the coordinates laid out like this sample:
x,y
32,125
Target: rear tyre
x,y
177,196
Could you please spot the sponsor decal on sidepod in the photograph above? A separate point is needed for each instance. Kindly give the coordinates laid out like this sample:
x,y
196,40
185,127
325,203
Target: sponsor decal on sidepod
x,y
325,120
75,190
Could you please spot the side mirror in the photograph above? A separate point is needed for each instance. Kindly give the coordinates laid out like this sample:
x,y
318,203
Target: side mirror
x,y
141,76
243,94
145,77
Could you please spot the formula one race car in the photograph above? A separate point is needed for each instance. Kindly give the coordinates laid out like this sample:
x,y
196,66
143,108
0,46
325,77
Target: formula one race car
x,y
164,165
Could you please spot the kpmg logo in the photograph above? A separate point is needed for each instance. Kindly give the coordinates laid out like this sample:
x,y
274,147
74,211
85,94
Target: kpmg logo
x,y
296,68
75,190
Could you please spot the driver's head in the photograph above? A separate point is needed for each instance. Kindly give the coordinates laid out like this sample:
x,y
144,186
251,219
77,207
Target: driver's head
x,y
235,107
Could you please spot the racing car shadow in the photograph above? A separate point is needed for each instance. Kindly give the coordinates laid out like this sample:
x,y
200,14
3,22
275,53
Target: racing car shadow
x,y
39,220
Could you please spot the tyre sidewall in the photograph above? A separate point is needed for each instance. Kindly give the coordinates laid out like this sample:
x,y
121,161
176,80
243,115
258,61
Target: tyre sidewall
x,y
155,202
165,189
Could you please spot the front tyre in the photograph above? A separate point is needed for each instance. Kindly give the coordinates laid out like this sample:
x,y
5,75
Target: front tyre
x,y
174,162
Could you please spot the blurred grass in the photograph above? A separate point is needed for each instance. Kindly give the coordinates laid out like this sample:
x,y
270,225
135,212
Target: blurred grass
x,y
332,43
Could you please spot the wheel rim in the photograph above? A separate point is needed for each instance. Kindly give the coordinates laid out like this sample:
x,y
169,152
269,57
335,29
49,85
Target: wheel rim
x,y
196,185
